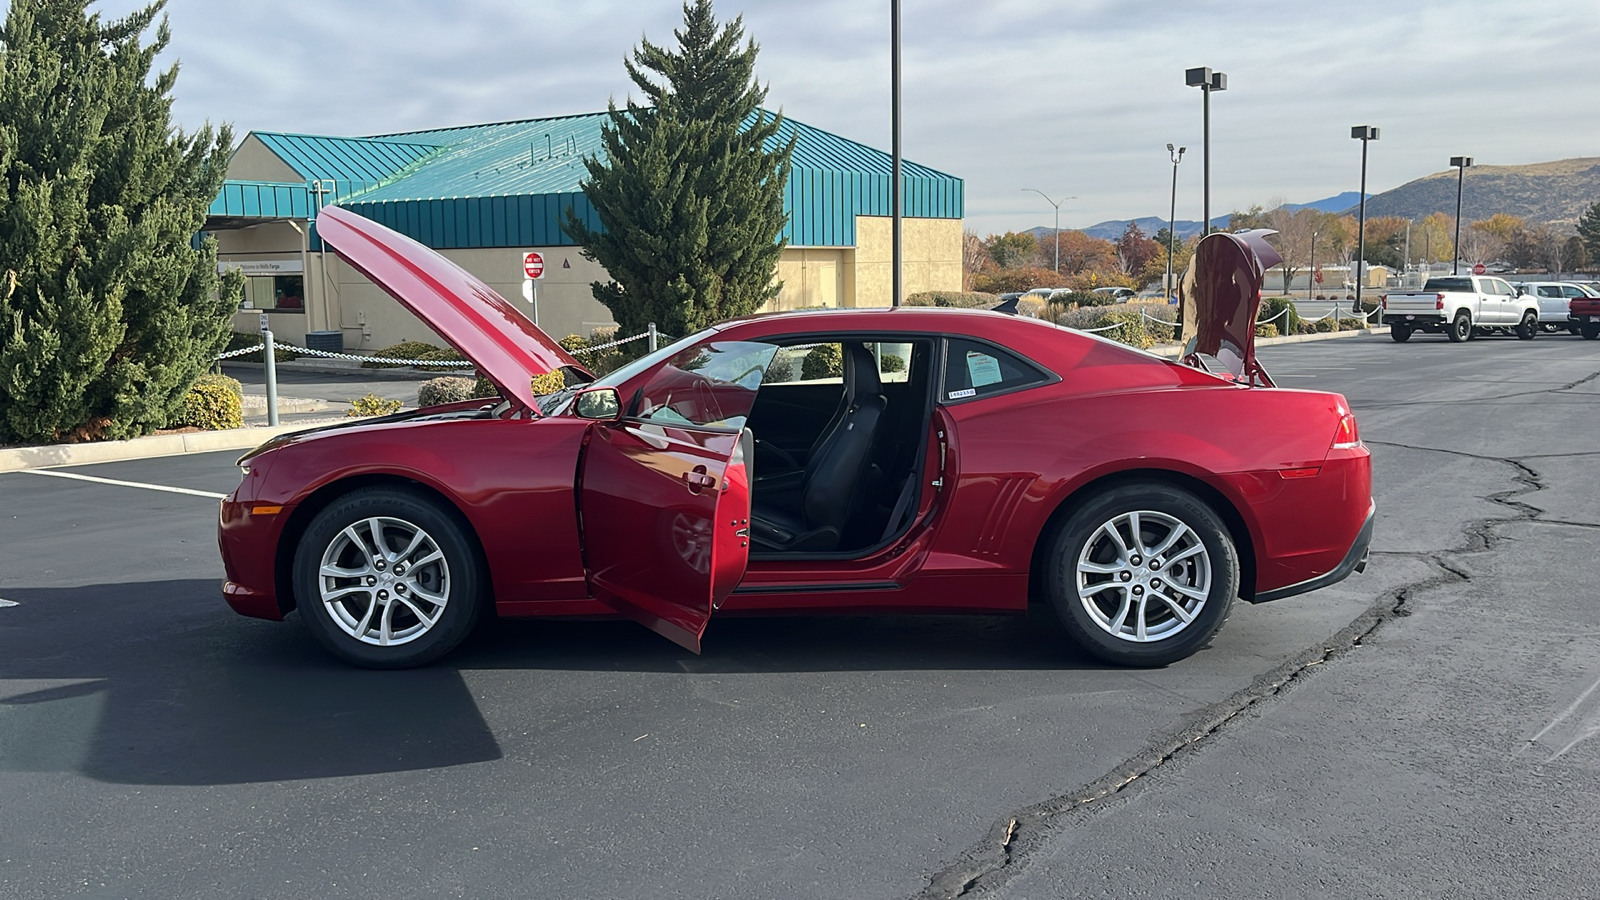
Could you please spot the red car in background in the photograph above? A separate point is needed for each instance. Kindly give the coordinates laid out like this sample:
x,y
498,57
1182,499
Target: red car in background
x,y
852,461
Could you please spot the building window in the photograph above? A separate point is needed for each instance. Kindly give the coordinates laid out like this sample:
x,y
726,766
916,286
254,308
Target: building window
x,y
275,293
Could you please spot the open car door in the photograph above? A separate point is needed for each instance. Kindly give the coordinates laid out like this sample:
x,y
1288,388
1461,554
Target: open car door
x,y
666,522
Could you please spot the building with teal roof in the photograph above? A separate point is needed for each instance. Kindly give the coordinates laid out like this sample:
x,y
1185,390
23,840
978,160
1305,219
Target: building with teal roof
x,y
484,195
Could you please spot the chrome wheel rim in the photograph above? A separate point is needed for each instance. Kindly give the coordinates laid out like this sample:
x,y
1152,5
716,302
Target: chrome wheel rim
x,y
1143,576
384,581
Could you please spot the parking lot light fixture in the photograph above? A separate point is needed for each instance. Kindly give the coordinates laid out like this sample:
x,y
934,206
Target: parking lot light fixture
x,y
1365,134
1461,163
1207,81
1172,218
1057,205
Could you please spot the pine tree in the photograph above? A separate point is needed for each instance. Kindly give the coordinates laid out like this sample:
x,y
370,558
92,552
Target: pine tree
x,y
690,192
1589,229
108,310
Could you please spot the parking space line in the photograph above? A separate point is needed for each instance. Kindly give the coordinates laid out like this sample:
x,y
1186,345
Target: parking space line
x,y
5,603
133,484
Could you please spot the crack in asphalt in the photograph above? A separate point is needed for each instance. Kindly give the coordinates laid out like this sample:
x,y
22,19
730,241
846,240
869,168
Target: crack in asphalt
x,y
1397,404
1000,855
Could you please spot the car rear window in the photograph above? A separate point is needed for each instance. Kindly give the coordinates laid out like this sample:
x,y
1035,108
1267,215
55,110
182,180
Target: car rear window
x,y
1448,284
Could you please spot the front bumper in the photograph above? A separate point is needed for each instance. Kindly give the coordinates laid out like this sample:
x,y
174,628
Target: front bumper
x,y
1354,561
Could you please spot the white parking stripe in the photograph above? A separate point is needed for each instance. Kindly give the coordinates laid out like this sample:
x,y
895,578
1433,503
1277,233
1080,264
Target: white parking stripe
x,y
133,484
5,603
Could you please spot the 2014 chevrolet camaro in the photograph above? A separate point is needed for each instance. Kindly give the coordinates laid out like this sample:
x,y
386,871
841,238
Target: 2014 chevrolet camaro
x,y
841,461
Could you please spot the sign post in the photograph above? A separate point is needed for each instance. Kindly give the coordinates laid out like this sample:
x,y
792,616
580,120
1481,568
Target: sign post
x,y
532,272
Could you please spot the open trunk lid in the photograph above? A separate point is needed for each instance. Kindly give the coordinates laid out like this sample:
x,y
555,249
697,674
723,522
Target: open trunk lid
x,y
1221,296
504,344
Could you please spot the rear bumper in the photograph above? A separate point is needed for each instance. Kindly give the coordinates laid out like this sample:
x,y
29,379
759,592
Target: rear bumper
x,y
1415,320
1354,561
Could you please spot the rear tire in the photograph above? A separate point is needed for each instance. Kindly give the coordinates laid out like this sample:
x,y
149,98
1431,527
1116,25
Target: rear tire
x,y
1528,327
1142,575
1399,333
385,578
1460,329
1590,332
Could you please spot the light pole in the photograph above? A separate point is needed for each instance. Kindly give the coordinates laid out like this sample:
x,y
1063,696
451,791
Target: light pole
x,y
1058,220
1207,81
1364,134
1311,276
1172,217
1461,163
894,187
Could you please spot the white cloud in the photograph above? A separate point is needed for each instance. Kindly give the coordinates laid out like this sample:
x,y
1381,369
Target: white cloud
x,y
1074,98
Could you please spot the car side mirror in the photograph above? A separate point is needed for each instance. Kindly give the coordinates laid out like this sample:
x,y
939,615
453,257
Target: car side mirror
x,y
601,404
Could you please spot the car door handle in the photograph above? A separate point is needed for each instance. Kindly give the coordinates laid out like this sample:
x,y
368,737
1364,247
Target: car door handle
x,y
699,480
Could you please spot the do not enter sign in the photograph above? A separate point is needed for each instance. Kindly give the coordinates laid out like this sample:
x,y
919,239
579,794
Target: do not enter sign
x,y
1479,269
533,265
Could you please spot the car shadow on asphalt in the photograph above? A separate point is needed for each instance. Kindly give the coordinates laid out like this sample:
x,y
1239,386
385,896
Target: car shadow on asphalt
x,y
158,683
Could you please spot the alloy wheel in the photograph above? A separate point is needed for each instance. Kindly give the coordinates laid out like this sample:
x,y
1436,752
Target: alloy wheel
x,y
1143,576
384,581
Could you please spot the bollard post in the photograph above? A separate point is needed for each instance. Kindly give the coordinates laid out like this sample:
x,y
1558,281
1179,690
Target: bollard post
x,y
652,332
270,359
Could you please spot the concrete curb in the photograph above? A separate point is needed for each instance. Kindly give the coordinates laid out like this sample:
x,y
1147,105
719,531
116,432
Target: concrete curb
x,y
1173,350
17,459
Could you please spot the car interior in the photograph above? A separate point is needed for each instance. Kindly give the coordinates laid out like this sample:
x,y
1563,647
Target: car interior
x,y
840,429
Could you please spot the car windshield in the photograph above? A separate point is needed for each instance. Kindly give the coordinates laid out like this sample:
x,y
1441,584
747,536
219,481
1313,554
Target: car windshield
x,y
643,363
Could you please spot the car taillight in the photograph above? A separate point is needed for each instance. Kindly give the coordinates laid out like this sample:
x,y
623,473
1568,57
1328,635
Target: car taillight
x,y
1439,303
1347,435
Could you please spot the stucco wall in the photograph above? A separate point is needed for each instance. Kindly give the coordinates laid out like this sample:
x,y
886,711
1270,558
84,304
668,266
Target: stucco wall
x,y
932,257
814,276
254,162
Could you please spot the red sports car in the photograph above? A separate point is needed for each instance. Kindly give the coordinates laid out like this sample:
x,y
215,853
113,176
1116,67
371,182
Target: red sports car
x,y
904,460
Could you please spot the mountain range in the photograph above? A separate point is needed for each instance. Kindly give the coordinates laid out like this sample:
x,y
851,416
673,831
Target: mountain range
x,y
1553,193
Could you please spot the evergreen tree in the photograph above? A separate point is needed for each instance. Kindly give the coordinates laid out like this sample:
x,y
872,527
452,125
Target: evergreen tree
x,y
1589,229
108,310
690,192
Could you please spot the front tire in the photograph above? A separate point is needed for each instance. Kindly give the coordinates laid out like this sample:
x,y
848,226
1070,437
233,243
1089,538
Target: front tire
x,y
1399,333
1460,329
1142,575
1528,327
387,579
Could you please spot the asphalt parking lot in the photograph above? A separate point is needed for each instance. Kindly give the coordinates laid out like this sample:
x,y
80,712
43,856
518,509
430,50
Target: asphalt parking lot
x,y
1429,728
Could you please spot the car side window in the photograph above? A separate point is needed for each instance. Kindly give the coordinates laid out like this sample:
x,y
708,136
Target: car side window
x,y
973,369
711,385
1568,290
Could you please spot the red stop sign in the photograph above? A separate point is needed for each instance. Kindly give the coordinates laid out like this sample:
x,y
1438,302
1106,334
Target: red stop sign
x,y
1479,269
533,265
1319,275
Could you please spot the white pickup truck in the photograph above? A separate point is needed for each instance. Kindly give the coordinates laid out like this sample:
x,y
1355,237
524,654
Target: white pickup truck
x,y
1461,307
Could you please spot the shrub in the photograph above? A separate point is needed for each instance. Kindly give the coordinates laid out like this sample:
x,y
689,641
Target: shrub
x,y
1323,326
954,299
1131,326
439,391
402,350
1266,331
483,387
599,361
372,405
213,403
444,354
548,383
1271,307
242,339
893,363
824,361
1085,298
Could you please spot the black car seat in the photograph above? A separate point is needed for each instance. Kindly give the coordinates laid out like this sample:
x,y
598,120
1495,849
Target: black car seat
x,y
834,473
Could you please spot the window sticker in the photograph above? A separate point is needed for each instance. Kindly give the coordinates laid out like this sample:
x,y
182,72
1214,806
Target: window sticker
x,y
983,368
957,395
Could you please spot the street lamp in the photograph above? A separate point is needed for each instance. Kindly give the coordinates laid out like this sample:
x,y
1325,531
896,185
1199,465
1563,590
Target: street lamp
x,y
1058,220
1207,81
1362,133
894,186
1311,276
1461,163
1172,217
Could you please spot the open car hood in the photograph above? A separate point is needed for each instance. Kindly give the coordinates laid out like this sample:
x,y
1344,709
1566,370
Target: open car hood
x,y
1221,296
503,343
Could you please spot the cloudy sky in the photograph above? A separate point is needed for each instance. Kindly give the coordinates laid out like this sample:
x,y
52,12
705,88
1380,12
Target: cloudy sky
x,y
1072,97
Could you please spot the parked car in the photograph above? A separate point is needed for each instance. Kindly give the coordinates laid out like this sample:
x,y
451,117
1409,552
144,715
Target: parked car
x,y
1552,303
1584,310
1461,307
1121,294
957,461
